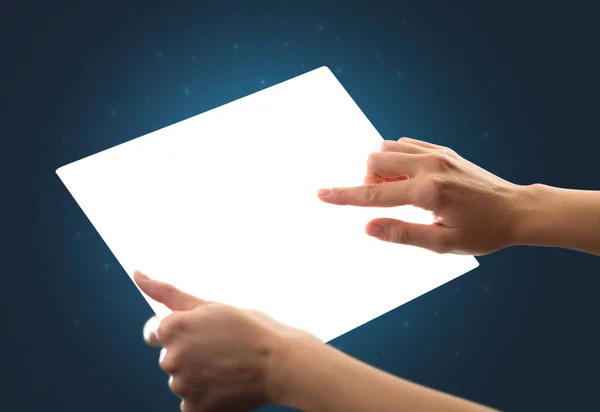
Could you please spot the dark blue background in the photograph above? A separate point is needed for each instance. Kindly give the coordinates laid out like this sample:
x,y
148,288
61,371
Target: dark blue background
x,y
512,86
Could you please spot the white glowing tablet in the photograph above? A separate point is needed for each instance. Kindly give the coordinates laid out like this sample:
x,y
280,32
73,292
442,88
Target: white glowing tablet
x,y
223,205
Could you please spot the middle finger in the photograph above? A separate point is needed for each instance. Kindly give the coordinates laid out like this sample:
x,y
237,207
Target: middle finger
x,y
391,165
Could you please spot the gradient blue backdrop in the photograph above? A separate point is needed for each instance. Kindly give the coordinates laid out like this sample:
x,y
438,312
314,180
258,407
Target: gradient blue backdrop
x,y
512,86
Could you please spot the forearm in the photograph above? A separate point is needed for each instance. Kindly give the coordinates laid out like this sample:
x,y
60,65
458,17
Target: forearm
x,y
319,378
556,217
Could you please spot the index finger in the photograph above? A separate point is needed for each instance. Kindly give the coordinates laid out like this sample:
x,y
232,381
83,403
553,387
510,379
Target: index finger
x,y
165,293
388,194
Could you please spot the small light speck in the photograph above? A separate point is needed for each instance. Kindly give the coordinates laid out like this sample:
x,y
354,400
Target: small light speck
x,y
463,77
486,288
376,55
77,235
486,135
112,307
435,313
262,82
147,101
193,57
338,70
456,354
187,91
106,266
320,27
406,324
462,322
63,140
399,75
159,54
337,38
235,46
113,112
285,44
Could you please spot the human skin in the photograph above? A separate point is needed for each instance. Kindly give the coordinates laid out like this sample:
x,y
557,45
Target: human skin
x,y
476,212
223,358
227,359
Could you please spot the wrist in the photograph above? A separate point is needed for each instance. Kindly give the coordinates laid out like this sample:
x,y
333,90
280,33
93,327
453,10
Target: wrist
x,y
293,354
533,219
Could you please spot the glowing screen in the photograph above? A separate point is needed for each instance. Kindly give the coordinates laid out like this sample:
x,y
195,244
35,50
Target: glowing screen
x,y
224,206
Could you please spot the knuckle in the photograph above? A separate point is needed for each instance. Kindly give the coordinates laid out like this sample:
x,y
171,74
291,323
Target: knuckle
x,y
186,406
387,145
373,160
341,195
371,192
400,235
178,386
438,161
171,326
170,290
404,139
433,191
170,363
448,152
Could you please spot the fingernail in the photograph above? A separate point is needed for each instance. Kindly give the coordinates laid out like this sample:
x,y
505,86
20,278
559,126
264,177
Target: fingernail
x,y
142,275
324,192
150,330
376,231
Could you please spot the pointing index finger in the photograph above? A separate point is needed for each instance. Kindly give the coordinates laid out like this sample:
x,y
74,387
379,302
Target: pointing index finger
x,y
374,195
167,294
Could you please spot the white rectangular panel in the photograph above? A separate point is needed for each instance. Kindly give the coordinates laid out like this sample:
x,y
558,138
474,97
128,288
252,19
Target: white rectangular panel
x,y
223,205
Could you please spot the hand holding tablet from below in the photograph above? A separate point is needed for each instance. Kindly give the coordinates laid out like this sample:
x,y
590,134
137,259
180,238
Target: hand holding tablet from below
x,y
220,358
225,359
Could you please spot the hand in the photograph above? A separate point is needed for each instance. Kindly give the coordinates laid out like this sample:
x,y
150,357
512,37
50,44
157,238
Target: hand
x,y
475,210
220,358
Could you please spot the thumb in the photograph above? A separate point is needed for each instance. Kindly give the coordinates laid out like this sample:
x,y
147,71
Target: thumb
x,y
166,293
433,237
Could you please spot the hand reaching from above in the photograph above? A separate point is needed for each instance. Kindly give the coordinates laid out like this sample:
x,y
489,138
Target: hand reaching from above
x,y
476,211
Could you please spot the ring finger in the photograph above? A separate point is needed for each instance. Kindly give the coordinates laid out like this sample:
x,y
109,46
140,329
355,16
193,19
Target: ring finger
x,y
402,146
420,143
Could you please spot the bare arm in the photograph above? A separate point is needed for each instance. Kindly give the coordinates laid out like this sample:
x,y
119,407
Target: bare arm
x,y
319,378
222,358
555,217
